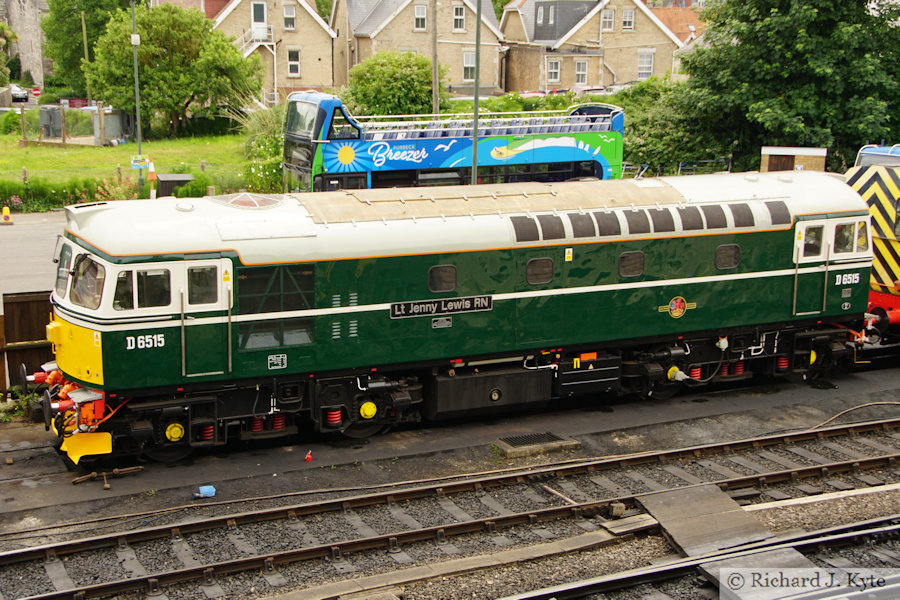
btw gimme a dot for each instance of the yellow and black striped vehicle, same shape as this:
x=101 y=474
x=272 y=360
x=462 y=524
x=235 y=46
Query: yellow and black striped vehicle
x=876 y=177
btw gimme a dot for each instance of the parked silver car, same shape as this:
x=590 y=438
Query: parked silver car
x=19 y=94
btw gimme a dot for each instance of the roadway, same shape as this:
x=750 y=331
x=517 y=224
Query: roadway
x=26 y=252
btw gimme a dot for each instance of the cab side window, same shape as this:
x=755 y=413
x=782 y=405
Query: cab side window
x=123 y=298
x=812 y=240
x=153 y=288
x=862 y=236
x=202 y=285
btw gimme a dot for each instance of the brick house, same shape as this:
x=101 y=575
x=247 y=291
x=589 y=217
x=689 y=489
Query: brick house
x=565 y=44
x=364 y=27
x=294 y=44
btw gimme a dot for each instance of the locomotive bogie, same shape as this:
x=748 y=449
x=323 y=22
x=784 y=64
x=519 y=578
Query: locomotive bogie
x=350 y=313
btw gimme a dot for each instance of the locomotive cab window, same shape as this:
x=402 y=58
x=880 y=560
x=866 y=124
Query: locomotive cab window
x=812 y=241
x=153 y=288
x=728 y=256
x=631 y=264
x=87 y=282
x=844 y=238
x=123 y=297
x=539 y=271
x=442 y=278
x=862 y=236
x=64 y=263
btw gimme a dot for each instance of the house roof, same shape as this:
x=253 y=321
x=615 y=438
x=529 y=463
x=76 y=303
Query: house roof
x=229 y=8
x=368 y=17
x=680 y=21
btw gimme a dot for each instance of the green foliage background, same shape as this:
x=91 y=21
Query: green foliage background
x=393 y=83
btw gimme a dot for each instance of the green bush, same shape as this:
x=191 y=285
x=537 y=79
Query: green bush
x=40 y=195
x=264 y=176
x=195 y=188
x=11 y=122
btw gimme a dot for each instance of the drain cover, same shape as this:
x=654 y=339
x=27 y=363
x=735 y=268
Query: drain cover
x=531 y=439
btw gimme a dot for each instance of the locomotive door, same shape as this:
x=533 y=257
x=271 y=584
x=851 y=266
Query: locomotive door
x=811 y=254
x=205 y=298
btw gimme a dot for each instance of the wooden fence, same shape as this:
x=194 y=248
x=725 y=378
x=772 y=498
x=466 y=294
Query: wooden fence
x=23 y=335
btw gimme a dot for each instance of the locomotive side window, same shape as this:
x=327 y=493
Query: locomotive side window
x=843 y=238
x=87 y=282
x=275 y=289
x=123 y=298
x=631 y=264
x=153 y=288
x=442 y=278
x=62 y=270
x=539 y=271
x=812 y=240
x=728 y=256
x=202 y=285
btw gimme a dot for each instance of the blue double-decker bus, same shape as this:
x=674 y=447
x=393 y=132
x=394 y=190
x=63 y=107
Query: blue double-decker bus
x=325 y=148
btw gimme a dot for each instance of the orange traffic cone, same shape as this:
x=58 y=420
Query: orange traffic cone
x=7 y=217
x=309 y=456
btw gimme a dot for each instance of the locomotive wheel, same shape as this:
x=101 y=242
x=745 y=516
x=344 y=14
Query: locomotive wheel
x=662 y=391
x=167 y=454
x=360 y=431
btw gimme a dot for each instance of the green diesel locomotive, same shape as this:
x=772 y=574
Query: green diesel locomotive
x=183 y=323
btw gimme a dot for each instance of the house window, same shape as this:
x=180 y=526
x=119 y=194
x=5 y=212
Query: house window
x=580 y=71
x=550 y=15
x=293 y=63
x=420 y=17
x=628 y=20
x=607 y=19
x=459 y=18
x=553 y=70
x=468 y=66
x=645 y=65
x=540 y=15
x=289 y=17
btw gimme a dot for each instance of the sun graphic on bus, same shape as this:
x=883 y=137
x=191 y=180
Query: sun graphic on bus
x=346 y=157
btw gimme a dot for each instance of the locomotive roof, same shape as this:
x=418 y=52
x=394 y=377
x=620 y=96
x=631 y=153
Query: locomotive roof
x=395 y=221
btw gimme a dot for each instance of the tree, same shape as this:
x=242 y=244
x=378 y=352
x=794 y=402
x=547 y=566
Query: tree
x=7 y=36
x=183 y=65
x=393 y=83
x=64 y=44
x=796 y=73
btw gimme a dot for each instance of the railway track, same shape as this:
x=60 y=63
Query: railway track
x=428 y=524
x=869 y=542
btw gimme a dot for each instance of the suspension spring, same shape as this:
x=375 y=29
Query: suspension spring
x=723 y=370
x=257 y=424
x=278 y=421
x=783 y=363
x=333 y=417
x=695 y=372
x=739 y=367
x=207 y=432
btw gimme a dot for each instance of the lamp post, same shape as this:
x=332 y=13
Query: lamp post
x=135 y=42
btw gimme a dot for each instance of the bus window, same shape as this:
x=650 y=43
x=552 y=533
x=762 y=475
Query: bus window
x=301 y=119
x=342 y=128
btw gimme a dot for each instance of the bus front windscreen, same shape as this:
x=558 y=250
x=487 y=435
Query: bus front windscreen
x=301 y=119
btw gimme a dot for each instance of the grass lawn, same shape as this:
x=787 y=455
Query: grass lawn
x=56 y=164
